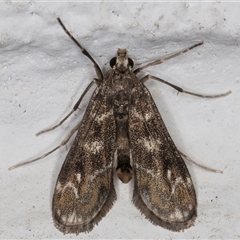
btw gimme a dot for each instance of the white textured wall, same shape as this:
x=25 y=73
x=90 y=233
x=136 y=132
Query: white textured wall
x=43 y=74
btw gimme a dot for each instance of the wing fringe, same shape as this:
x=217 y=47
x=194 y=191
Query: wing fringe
x=76 y=229
x=173 y=226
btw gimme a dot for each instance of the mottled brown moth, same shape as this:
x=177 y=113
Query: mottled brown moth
x=122 y=131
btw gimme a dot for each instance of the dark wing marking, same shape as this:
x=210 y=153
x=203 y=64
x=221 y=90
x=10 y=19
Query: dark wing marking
x=163 y=189
x=84 y=191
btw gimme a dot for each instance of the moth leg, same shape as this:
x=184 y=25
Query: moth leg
x=84 y=51
x=73 y=110
x=145 y=78
x=159 y=61
x=48 y=153
x=199 y=165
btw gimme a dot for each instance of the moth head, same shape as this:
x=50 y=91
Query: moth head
x=121 y=63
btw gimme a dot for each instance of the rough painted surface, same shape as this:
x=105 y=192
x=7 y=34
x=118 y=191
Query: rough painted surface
x=43 y=74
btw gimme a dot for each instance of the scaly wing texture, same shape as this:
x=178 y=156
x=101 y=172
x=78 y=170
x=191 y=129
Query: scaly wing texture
x=84 y=191
x=163 y=189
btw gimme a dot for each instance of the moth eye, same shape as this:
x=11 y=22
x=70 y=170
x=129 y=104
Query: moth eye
x=130 y=62
x=113 y=62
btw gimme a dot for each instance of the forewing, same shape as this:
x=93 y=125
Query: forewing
x=163 y=189
x=84 y=191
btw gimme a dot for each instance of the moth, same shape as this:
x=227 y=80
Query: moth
x=122 y=131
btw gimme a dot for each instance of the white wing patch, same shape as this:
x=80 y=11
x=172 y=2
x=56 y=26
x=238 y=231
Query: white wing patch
x=150 y=144
x=96 y=173
x=78 y=176
x=148 y=116
x=178 y=181
x=59 y=187
x=72 y=218
x=136 y=115
x=71 y=185
x=153 y=173
x=179 y=215
x=94 y=146
x=176 y=215
x=169 y=173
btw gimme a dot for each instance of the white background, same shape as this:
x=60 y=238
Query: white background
x=43 y=74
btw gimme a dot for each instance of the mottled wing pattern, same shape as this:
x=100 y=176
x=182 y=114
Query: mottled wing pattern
x=84 y=191
x=163 y=189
